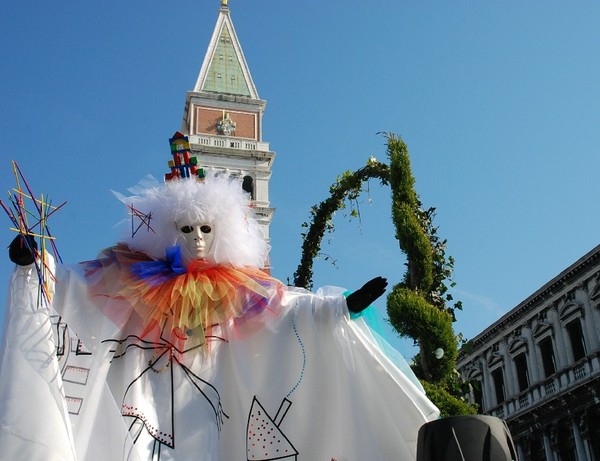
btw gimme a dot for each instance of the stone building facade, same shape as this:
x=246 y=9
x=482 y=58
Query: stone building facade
x=538 y=367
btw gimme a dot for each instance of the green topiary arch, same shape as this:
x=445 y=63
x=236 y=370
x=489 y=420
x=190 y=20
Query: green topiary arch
x=416 y=305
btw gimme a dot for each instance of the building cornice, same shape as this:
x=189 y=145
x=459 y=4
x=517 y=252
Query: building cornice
x=540 y=296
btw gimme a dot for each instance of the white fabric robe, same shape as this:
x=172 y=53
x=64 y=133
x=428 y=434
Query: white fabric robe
x=306 y=383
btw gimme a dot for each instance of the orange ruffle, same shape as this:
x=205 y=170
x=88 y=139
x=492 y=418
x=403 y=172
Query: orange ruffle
x=189 y=304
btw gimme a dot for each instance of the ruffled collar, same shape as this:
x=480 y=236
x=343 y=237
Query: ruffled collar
x=184 y=302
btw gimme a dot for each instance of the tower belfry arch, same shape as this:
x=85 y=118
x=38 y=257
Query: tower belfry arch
x=223 y=118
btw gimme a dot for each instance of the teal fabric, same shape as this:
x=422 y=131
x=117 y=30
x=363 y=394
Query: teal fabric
x=369 y=315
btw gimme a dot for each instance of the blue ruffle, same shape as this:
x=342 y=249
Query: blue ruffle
x=157 y=272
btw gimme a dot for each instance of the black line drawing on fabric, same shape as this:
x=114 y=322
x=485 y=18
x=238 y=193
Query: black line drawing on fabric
x=302 y=349
x=264 y=439
x=158 y=374
x=73 y=360
x=66 y=342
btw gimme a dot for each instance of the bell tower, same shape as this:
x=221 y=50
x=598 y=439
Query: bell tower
x=223 y=118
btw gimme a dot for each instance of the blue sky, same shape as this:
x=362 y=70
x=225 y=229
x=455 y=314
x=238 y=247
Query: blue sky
x=498 y=101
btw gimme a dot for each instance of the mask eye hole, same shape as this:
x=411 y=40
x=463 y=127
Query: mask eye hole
x=186 y=229
x=205 y=229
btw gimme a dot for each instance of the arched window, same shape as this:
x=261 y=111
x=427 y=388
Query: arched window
x=248 y=185
x=498 y=379
x=570 y=316
x=547 y=353
x=576 y=338
x=518 y=351
x=522 y=371
x=543 y=334
x=475 y=379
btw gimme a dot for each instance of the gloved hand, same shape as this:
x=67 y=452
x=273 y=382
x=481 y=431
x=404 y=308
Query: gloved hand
x=366 y=295
x=22 y=252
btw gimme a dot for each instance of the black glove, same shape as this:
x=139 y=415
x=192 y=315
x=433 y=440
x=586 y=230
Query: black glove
x=366 y=295
x=22 y=252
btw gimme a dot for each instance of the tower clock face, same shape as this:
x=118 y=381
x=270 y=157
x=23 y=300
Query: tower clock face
x=226 y=126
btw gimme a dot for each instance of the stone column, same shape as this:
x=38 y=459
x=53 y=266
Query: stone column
x=488 y=395
x=583 y=429
x=548 y=447
x=532 y=360
x=520 y=452
x=510 y=384
x=579 y=444
x=591 y=321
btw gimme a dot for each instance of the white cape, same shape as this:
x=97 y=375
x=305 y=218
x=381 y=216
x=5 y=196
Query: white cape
x=305 y=383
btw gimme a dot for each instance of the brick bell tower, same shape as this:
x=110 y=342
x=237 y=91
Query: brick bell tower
x=223 y=118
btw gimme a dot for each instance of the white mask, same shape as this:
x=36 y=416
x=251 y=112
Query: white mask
x=197 y=239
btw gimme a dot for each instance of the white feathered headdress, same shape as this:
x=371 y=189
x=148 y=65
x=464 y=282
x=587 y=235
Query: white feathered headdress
x=217 y=200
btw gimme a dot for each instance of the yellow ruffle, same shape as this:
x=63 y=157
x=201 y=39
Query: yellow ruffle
x=190 y=304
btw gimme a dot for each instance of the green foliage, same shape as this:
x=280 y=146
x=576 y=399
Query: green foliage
x=413 y=316
x=347 y=187
x=417 y=306
x=448 y=404
x=413 y=239
x=442 y=266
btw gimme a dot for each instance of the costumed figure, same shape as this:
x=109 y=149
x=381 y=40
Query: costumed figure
x=175 y=344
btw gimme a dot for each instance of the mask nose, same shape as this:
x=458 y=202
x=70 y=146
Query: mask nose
x=197 y=233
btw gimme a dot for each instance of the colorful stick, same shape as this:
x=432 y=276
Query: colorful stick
x=19 y=216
